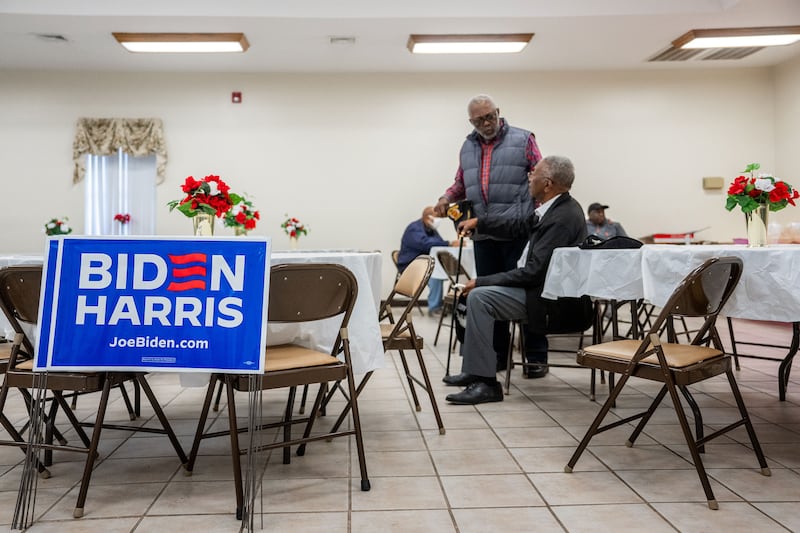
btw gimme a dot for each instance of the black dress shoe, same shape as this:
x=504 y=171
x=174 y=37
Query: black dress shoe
x=534 y=372
x=478 y=392
x=460 y=380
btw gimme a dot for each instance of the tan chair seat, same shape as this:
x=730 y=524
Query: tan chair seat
x=386 y=331
x=287 y=356
x=24 y=365
x=678 y=355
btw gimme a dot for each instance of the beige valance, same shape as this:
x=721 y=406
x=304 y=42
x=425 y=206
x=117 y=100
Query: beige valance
x=104 y=136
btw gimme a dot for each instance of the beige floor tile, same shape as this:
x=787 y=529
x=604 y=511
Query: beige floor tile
x=212 y=523
x=784 y=512
x=45 y=498
x=535 y=437
x=186 y=498
x=513 y=520
x=460 y=462
x=782 y=453
x=109 y=501
x=400 y=463
x=583 y=488
x=725 y=456
x=300 y=495
x=782 y=485
x=452 y=420
x=462 y=439
x=387 y=441
x=158 y=446
x=640 y=458
x=611 y=517
x=490 y=491
x=107 y=525
x=519 y=419
x=147 y=470
x=579 y=417
x=612 y=437
x=731 y=516
x=673 y=486
x=397 y=493
x=401 y=521
x=538 y=460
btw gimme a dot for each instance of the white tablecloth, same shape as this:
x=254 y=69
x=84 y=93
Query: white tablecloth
x=768 y=290
x=467 y=260
x=366 y=345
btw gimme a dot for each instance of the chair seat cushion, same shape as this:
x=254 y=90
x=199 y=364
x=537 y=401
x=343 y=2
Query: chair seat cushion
x=677 y=355
x=386 y=331
x=287 y=356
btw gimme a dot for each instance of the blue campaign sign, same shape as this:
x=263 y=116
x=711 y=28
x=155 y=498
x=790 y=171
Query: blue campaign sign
x=154 y=304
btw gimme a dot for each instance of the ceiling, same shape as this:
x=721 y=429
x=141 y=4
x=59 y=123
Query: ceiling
x=294 y=35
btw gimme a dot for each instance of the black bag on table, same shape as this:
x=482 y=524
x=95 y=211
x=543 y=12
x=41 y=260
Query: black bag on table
x=593 y=242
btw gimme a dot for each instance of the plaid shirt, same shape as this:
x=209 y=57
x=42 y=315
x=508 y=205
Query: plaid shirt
x=457 y=191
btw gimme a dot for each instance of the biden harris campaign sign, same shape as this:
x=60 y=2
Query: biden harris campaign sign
x=154 y=304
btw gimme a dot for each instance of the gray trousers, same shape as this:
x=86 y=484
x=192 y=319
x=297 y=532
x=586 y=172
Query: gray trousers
x=485 y=305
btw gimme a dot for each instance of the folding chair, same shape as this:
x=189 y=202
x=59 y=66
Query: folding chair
x=19 y=296
x=395 y=257
x=298 y=293
x=701 y=294
x=454 y=271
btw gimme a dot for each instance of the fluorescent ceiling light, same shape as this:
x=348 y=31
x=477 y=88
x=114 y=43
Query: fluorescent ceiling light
x=499 y=43
x=738 y=37
x=183 y=42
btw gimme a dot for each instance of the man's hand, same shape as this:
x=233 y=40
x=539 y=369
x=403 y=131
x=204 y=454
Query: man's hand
x=441 y=207
x=466 y=227
x=468 y=286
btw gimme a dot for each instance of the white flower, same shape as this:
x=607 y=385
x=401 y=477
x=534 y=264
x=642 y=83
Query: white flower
x=764 y=184
x=65 y=228
x=50 y=225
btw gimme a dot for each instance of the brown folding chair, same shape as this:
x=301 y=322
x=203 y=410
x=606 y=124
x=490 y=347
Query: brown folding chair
x=395 y=256
x=454 y=270
x=399 y=334
x=701 y=294
x=19 y=296
x=297 y=293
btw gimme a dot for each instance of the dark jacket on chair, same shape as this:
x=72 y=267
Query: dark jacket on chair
x=562 y=225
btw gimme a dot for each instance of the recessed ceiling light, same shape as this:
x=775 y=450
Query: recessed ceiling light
x=183 y=42
x=498 y=43
x=738 y=37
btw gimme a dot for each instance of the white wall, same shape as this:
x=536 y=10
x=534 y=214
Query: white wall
x=787 y=124
x=356 y=157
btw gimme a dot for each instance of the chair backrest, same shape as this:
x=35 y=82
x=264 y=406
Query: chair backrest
x=19 y=298
x=395 y=256
x=311 y=291
x=414 y=278
x=451 y=267
x=702 y=293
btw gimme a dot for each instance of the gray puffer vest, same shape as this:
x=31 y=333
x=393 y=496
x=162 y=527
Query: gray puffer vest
x=509 y=195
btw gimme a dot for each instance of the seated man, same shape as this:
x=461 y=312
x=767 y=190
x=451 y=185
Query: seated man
x=516 y=294
x=418 y=239
x=599 y=225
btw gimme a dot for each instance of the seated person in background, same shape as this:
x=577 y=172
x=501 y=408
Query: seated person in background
x=418 y=239
x=516 y=294
x=599 y=225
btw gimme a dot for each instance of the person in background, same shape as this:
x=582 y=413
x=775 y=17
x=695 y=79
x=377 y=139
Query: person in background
x=516 y=294
x=418 y=239
x=598 y=224
x=493 y=174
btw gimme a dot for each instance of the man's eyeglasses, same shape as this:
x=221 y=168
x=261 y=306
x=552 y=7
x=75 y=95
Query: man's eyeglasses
x=489 y=117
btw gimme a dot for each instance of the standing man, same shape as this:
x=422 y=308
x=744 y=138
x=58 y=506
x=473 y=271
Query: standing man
x=418 y=239
x=514 y=295
x=598 y=224
x=493 y=174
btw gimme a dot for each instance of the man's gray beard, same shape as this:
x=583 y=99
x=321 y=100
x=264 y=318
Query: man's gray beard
x=488 y=138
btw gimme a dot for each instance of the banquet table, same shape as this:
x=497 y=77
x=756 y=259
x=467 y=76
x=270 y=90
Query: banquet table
x=653 y=271
x=366 y=344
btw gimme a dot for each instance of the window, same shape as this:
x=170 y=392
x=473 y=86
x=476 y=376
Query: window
x=120 y=184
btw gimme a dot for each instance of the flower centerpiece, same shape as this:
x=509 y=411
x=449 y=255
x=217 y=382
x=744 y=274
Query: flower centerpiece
x=242 y=216
x=756 y=195
x=57 y=226
x=293 y=228
x=204 y=200
x=122 y=218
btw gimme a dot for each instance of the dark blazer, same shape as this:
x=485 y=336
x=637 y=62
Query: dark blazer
x=562 y=225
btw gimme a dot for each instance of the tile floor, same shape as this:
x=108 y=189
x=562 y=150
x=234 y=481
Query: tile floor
x=498 y=468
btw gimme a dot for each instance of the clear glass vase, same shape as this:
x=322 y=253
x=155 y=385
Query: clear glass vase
x=203 y=224
x=757 y=224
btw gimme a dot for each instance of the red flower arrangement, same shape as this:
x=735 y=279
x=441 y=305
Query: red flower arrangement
x=209 y=195
x=751 y=192
x=122 y=218
x=293 y=227
x=242 y=215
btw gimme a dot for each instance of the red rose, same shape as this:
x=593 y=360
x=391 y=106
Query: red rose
x=241 y=218
x=258 y=217
x=738 y=185
x=780 y=192
x=249 y=224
